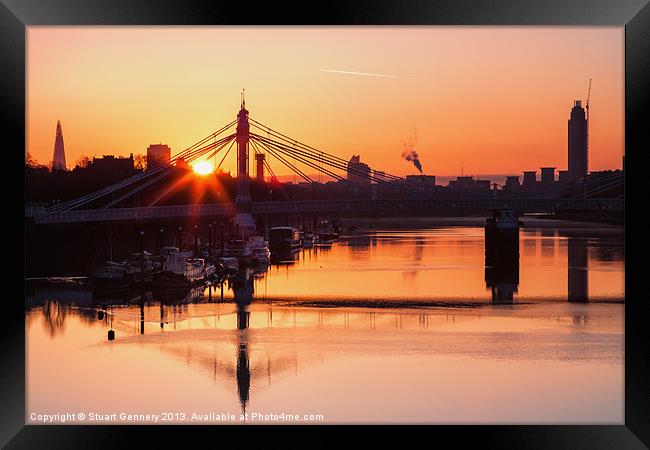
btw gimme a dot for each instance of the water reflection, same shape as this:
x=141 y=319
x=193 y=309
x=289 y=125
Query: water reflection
x=572 y=266
x=242 y=287
x=418 y=250
x=502 y=279
x=54 y=314
x=243 y=333
x=282 y=258
x=502 y=274
x=577 y=270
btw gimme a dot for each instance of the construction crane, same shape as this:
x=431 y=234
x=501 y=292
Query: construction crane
x=587 y=107
x=588 y=96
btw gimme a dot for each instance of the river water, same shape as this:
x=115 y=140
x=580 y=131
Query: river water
x=384 y=326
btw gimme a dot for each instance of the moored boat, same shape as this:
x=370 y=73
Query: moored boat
x=309 y=240
x=258 y=249
x=282 y=239
x=140 y=267
x=230 y=264
x=236 y=248
x=326 y=233
x=178 y=268
x=111 y=275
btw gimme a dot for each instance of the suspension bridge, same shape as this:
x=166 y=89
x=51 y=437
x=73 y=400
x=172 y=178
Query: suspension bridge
x=249 y=135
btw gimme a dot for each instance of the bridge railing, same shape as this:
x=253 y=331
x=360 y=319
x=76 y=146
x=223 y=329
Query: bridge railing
x=526 y=205
x=151 y=212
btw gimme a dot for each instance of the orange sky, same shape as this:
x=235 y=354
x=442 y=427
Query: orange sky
x=491 y=100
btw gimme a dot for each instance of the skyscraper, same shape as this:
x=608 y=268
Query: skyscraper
x=58 y=159
x=358 y=172
x=578 y=158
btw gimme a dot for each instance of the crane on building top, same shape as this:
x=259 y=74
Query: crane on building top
x=587 y=107
x=588 y=96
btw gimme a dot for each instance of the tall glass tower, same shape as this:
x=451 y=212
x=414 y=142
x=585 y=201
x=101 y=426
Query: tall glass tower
x=578 y=158
x=58 y=159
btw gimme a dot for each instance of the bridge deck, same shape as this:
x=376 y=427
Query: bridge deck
x=526 y=205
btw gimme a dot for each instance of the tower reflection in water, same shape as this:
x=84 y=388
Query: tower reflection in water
x=242 y=287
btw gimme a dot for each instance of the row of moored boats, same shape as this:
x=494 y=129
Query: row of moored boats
x=176 y=268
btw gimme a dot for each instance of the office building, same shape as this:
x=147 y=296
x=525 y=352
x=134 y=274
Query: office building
x=358 y=172
x=548 y=175
x=530 y=178
x=158 y=154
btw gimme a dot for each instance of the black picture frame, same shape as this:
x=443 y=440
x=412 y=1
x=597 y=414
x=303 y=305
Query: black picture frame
x=634 y=15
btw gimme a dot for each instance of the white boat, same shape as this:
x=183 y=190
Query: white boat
x=309 y=240
x=326 y=233
x=230 y=263
x=179 y=268
x=111 y=275
x=195 y=270
x=210 y=270
x=140 y=267
x=237 y=248
x=258 y=249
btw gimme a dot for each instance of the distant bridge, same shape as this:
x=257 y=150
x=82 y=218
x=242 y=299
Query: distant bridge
x=330 y=207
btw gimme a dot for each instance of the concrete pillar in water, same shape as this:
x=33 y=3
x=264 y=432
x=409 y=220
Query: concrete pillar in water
x=502 y=255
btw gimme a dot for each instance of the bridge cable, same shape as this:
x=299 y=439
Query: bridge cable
x=167 y=191
x=165 y=169
x=150 y=182
x=79 y=201
x=270 y=144
x=306 y=147
x=339 y=166
x=268 y=167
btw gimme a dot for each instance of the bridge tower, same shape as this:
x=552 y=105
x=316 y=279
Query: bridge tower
x=243 y=217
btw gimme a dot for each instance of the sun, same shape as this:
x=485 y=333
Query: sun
x=202 y=168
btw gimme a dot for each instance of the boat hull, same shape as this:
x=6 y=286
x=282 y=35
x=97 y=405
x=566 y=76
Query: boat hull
x=171 y=279
x=284 y=246
x=111 y=283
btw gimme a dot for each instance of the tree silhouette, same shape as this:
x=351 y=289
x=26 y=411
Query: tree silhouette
x=139 y=162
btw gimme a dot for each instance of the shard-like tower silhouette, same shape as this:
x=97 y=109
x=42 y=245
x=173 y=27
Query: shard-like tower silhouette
x=58 y=160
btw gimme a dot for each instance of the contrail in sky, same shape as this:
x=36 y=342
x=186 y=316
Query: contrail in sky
x=364 y=74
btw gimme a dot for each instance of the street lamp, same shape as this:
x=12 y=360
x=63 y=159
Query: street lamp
x=196 y=241
x=141 y=254
x=210 y=238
